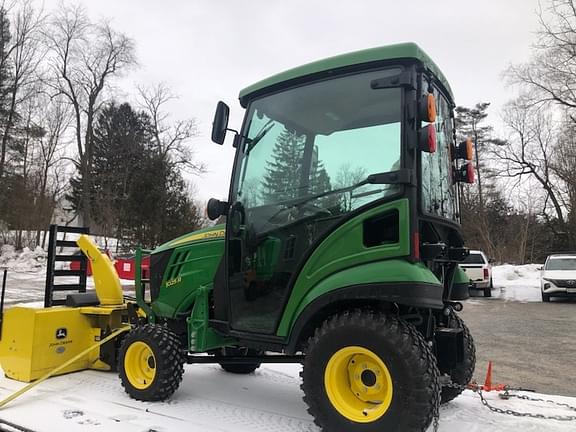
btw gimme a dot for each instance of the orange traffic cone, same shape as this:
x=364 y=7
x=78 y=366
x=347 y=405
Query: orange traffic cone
x=488 y=381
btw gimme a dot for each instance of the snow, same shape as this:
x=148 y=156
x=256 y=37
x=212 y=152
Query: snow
x=25 y=260
x=210 y=399
x=517 y=283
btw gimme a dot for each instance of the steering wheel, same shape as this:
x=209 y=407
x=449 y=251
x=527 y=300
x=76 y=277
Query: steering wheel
x=288 y=214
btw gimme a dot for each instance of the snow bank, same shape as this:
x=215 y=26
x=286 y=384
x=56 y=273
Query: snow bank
x=26 y=260
x=518 y=283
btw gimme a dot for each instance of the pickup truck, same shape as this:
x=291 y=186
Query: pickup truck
x=478 y=269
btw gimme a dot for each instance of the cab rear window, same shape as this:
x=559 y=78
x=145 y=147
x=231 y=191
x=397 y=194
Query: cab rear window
x=474 y=259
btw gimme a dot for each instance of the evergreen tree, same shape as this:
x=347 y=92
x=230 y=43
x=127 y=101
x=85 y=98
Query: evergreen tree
x=282 y=180
x=135 y=194
x=283 y=171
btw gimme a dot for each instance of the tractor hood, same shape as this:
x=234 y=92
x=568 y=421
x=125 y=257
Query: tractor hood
x=215 y=232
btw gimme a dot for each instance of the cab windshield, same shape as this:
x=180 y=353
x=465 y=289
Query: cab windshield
x=304 y=149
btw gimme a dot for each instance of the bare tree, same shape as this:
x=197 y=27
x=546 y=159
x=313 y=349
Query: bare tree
x=172 y=138
x=84 y=57
x=530 y=152
x=24 y=55
x=55 y=118
x=348 y=176
x=550 y=75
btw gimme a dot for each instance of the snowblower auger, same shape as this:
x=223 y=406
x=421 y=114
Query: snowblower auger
x=37 y=342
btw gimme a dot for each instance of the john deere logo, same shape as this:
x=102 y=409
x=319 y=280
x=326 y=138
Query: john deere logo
x=61 y=333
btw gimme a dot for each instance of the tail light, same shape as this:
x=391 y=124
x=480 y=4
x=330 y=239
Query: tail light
x=485 y=273
x=427 y=139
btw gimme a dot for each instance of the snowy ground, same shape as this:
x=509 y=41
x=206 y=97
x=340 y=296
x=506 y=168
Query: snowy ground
x=211 y=400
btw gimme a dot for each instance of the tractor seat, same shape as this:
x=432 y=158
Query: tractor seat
x=82 y=299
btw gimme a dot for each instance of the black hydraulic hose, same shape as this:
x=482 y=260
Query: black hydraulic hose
x=4 y=277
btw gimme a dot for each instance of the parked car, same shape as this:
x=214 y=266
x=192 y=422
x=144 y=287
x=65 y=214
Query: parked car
x=479 y=269
x=558 y=277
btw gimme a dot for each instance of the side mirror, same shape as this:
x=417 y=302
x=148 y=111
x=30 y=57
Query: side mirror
x=216 y=208
x=541 y=268
x=220 y=124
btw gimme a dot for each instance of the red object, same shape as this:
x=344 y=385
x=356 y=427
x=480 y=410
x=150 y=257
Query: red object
x=485 y=273
x=488 y=381
x=470 y=173
x=431 y=139
x=125 y=267
x=416 y=244
x=75 y=265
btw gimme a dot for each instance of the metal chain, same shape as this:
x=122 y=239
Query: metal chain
x=436 y=415
x=507 y=395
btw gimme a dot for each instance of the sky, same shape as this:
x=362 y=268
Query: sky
x=208 y=50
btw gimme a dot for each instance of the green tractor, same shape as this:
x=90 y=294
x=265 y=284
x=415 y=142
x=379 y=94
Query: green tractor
x=339 y=248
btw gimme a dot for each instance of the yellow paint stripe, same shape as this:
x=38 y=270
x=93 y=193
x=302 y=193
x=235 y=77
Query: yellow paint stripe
x=201 y=236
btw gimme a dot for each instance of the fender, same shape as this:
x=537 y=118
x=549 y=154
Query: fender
x=417 y=294
x=390 y=273
x=394 y=281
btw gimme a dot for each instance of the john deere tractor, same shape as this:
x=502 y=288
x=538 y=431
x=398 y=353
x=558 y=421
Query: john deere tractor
x=338 y=250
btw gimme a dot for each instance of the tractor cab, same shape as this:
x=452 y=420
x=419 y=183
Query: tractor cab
x=356 y=152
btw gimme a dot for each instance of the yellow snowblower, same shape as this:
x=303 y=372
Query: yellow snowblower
x=78 y=334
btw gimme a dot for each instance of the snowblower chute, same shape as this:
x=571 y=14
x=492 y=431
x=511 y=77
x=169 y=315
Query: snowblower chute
x=37 y=340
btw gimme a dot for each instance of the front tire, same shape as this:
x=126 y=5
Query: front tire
x=545 y=298
x=151 y=363
x=365 y=371
x=463 y=372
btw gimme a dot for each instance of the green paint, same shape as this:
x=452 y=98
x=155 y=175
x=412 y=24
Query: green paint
x=390 y=52
x=201 y=337
x=213 y=233
x=395 y=270
x=343 y=254
x=190 y=267
x=460 y=277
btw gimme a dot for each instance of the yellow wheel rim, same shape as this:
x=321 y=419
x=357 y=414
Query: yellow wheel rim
x=140 y=365
x=358 y=384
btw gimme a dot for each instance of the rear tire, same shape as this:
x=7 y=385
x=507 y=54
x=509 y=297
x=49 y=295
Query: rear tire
x=461 y=374
x=151 y=363
x=239 y=368
x=366 y=371
x=488 y=292
x=545 y=298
